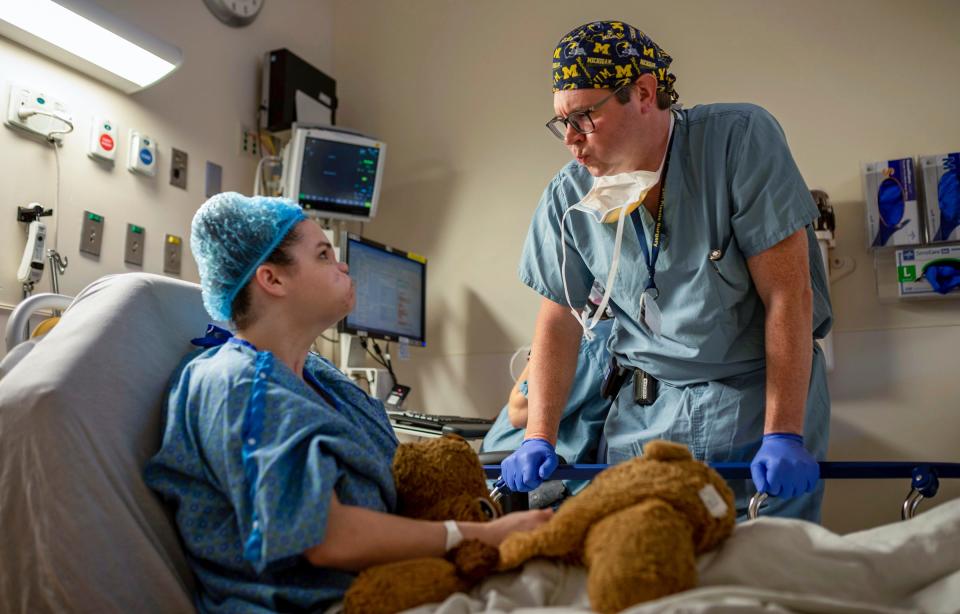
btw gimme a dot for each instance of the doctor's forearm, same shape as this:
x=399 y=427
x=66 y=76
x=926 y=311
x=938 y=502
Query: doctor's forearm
x=552 y=366
x=789 y=348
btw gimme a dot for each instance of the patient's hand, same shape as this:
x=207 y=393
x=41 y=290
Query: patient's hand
x=517 y=403
x=496 y=531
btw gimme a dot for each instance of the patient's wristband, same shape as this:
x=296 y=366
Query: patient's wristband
x=454 y=536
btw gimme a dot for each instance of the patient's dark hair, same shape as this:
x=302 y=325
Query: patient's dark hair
x=280 y=256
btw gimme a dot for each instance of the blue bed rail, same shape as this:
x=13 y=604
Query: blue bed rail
x=924 y=477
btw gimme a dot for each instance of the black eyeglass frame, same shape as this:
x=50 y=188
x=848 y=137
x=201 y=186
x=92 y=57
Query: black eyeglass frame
x=574 y=118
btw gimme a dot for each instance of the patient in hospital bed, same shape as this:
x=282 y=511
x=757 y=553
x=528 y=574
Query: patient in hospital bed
x=277 y=466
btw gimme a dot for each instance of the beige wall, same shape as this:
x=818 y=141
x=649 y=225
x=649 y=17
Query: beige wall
x=199 y=109
x=459 y=90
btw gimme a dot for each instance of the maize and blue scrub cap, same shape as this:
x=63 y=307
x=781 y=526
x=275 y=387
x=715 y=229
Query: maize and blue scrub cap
x=608 y=54
x=231 y=235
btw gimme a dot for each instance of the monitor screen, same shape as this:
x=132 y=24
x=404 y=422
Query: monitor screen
x=334 y=174
x=391 y=291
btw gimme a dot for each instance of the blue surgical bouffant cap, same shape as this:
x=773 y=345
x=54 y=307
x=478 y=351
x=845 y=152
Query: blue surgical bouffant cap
x=608 y=54
x=231 y=235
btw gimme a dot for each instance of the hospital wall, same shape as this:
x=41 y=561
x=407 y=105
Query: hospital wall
x=199 y=109
x=460 y=91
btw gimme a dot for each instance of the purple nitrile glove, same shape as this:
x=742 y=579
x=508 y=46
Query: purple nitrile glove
x=529 y=466
x=783 y=468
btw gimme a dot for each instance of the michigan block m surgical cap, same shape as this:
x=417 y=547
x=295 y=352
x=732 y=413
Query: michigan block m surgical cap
x=608 y=54
x=231 y=235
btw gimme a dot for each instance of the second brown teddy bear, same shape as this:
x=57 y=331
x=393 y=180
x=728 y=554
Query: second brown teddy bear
x=638 y=527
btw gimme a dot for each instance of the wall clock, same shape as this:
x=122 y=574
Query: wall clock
x=235 y=13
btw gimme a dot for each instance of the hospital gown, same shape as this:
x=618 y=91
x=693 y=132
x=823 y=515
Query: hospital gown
x=250 y=459
x=732 y=190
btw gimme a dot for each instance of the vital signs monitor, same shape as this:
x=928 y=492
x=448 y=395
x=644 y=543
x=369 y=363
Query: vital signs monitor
x=333 y=174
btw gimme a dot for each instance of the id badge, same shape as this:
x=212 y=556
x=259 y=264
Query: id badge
x=650 y=313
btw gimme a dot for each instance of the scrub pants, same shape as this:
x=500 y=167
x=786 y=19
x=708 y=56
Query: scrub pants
x=721 y=421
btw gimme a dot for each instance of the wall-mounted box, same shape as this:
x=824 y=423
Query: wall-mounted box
x=890 y=194
x=921 y=272
x=941 y=196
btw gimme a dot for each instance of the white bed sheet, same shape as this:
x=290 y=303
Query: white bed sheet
x=771 y=565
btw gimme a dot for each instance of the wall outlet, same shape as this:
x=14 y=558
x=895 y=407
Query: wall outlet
x=249 y=142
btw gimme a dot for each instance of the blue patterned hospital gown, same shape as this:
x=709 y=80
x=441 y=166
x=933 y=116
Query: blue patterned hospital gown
x=251 y=456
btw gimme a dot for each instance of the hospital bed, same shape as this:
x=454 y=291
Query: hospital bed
x=80 y=414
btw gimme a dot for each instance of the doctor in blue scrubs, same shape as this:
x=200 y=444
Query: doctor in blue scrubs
x=700 y=222
x=277 y=466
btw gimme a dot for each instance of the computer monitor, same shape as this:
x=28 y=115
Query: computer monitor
x=333 y=174
x=391 y=289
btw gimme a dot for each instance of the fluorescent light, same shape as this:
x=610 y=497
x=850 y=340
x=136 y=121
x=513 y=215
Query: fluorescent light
x=84 y=36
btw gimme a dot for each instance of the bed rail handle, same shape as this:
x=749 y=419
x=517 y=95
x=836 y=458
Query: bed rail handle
x=17 y=323
x=923 y=485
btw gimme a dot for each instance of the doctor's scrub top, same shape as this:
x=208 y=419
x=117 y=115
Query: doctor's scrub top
x=732 y=190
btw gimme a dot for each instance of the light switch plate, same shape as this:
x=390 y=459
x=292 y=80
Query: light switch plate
x=172 y=250
x=178 y=168
x=133 y=252
x=91 y=233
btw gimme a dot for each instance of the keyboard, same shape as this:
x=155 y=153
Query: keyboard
x=438 y=422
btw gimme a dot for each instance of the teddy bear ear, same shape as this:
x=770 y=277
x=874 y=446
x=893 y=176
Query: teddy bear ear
x=666 y=451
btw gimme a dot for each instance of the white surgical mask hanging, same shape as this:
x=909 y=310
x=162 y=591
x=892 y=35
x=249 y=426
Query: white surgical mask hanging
x=612 y=197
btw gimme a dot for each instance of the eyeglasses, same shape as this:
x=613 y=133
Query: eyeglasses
x=579 y=120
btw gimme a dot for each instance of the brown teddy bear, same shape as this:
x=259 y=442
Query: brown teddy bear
x=638 y=527
x=436 y=479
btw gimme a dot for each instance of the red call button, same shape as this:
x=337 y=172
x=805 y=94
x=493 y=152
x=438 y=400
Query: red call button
x=106 y=142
